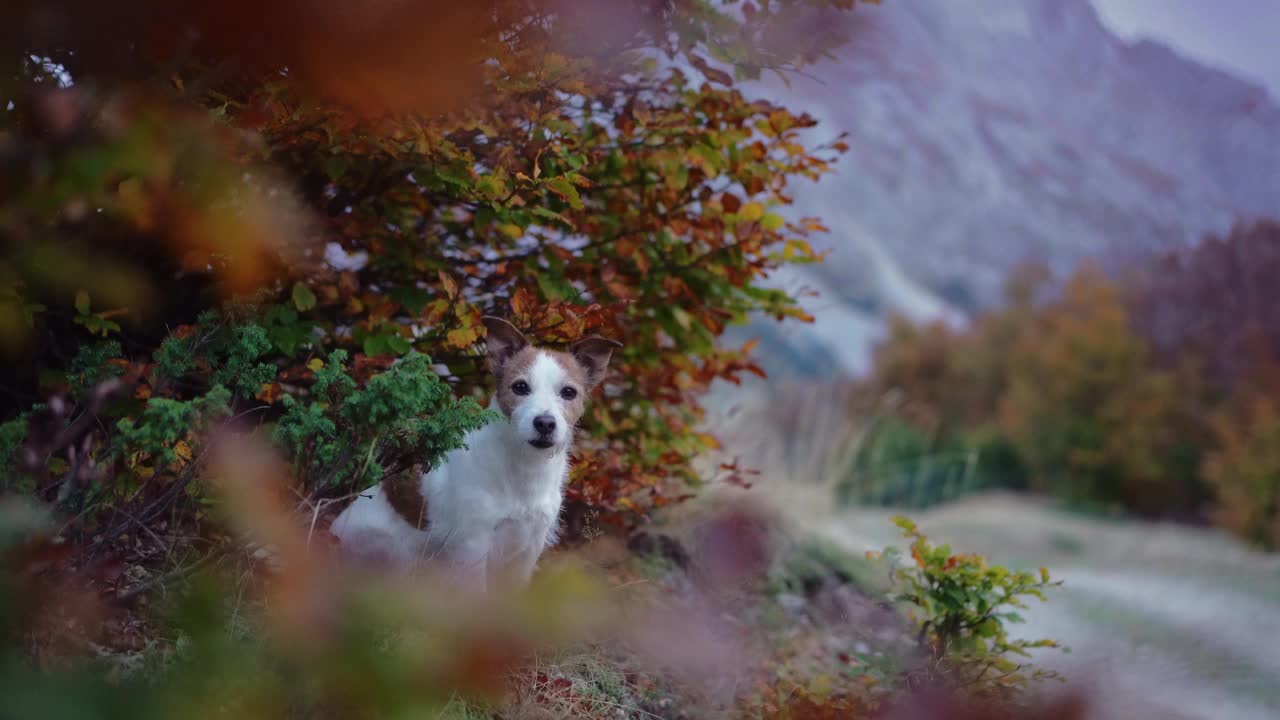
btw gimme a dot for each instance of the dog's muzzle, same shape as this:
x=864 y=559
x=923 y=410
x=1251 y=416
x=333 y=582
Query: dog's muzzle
x=545 y=426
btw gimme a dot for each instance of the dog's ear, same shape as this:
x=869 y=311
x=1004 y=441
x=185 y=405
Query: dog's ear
x=593 y=355
x=502 y=342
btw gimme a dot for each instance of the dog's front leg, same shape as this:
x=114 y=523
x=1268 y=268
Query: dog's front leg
x=468 y=564
x=539 y=535
x=522 y=567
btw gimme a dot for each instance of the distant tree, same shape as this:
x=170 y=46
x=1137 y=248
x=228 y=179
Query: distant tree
x=1243 y=467
x=1091 y=416
x=1214 y=303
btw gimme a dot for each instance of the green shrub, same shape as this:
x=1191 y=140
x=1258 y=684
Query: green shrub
x=348 y=435
x=12 y=433
x=156 y=433
x=961 y=607
x=338 y=432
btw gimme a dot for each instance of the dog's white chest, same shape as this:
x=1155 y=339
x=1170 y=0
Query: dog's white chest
x=507 y=503
x=491 y=508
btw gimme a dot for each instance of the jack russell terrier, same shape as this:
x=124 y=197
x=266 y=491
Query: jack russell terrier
x=491 y=507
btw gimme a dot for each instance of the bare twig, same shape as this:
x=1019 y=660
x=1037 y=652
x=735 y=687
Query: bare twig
x=168 y=578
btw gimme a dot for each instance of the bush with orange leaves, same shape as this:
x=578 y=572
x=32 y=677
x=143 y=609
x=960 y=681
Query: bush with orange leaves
x=1154 y=392
x=1094 y=418
x=213 y=195
x=1068 y=384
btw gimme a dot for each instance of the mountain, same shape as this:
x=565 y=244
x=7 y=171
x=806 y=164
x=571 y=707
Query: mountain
x=986 y=133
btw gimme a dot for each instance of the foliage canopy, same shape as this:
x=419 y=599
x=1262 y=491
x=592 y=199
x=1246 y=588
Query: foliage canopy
x=237 y=203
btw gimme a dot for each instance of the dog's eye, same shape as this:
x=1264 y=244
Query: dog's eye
x=521 y=387
x=569 y=393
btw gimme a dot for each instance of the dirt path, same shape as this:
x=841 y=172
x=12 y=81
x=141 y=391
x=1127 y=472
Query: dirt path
x=1163 y=621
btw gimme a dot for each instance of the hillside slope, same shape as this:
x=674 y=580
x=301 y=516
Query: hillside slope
x=991 y=132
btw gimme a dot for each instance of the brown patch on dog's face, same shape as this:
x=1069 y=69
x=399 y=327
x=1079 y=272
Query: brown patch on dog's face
x=514 y=369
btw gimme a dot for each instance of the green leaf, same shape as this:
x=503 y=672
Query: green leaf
x=398 y=344
x=411 y=298
x=334 y=166
x=303 y=298
x=552 y=215
x=386 y=344
x=374 y=345
x=565 y=189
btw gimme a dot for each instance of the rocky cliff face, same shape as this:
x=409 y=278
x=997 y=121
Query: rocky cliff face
x=985 y=133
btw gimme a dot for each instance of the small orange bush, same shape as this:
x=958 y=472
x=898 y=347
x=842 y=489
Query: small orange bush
x=1244 y=468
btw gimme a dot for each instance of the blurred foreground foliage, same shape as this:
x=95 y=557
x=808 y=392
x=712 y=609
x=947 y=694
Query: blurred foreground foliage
x=738 y=625
x=312 y=638
x=1154 y=391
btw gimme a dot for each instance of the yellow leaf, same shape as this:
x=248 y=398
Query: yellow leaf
x=315 y=365
x=797 y=248
x=183 y=451
x=463 y=337
x=709 y=441
x=821 y=685
x=511 y=230
x=751 y=212
x=450 y=287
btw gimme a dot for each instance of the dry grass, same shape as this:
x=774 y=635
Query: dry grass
x=799 y=439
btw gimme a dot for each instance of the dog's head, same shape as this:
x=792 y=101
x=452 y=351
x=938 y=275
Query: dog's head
x=543 y=392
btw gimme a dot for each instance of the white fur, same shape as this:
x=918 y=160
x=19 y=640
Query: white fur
x=492 y=507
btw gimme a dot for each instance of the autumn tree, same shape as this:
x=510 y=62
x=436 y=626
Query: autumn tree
x=229 y=213
x=1213 y=302
x=1092 y=416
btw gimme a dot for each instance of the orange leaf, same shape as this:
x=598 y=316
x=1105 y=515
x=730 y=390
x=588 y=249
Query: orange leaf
x=463 y=337
x=269 y=393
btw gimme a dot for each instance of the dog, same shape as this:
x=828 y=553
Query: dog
x=490 y=508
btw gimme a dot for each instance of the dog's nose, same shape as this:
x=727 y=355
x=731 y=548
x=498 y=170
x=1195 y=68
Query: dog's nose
x=544 y=424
